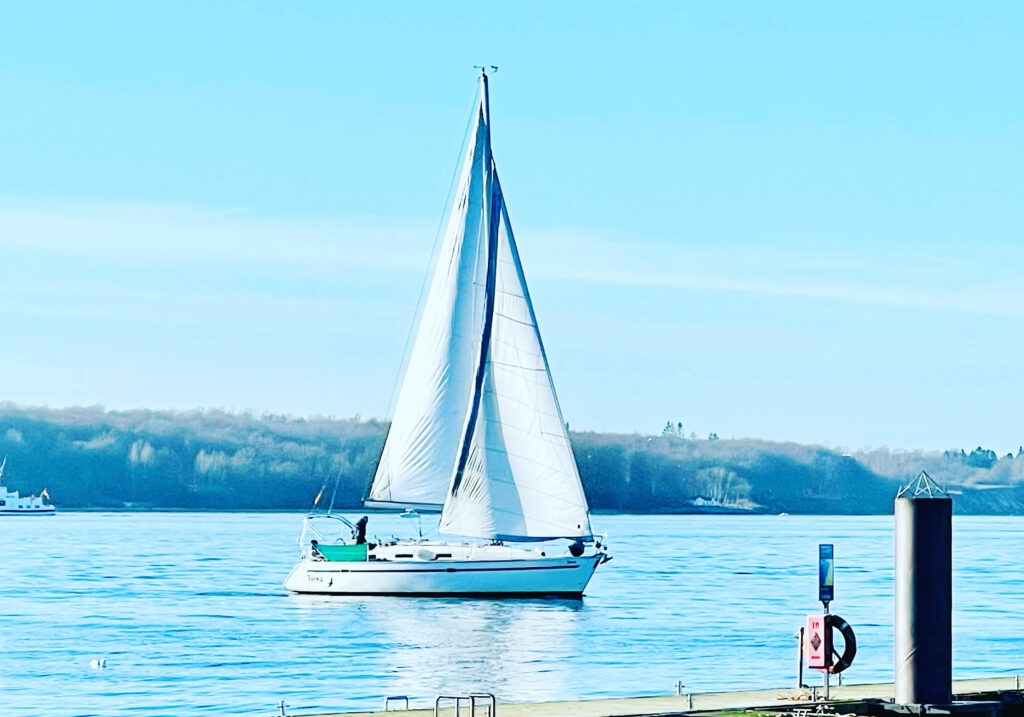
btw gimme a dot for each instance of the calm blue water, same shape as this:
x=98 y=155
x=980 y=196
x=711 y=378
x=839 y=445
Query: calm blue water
x=189 y=613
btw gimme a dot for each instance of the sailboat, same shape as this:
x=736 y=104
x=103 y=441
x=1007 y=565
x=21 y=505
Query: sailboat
x=477 y=433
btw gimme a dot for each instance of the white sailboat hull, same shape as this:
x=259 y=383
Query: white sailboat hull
x=563 y=576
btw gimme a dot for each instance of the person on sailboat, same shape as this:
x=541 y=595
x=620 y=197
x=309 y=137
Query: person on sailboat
x=361 y=530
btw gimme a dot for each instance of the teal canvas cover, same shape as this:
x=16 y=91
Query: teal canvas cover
x=343 y=553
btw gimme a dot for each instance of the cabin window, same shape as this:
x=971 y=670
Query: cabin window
x=444 y=555
x=403 y=555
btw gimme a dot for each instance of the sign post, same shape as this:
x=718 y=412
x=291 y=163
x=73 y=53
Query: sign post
x=817 y=643
x=826 y=593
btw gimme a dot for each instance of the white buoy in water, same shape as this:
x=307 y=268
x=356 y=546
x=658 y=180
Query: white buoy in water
x=98 y=663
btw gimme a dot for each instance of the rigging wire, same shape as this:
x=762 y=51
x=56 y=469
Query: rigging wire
x=337 y=480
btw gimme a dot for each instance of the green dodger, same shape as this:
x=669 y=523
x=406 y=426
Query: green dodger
x=343 y=553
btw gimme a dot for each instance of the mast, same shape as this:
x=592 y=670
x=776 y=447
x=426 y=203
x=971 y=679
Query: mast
x=485 y=99
x=492 y=192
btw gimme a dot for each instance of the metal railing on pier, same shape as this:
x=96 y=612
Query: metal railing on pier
x=487 y=699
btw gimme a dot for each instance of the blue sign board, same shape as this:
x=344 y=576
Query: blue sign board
x=826 y=573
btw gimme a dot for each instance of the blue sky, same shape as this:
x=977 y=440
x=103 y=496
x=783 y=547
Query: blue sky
x=775 y=220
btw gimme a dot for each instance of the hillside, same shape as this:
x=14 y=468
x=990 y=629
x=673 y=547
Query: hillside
x=211 y=459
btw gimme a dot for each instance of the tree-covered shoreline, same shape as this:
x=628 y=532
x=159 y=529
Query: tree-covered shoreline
x=92 y=458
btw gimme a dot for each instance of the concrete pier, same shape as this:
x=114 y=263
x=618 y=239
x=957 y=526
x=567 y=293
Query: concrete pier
x=760 y=700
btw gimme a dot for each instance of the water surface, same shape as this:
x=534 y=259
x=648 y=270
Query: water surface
x=188 y=611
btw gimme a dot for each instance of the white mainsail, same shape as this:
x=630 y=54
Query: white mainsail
x=477 y=423
x=427 y=426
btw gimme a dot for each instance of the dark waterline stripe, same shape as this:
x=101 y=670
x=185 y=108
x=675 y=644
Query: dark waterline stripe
x=455 y=570
x=571 y=595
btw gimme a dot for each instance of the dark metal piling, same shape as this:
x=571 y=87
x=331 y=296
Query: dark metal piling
x=924 y=594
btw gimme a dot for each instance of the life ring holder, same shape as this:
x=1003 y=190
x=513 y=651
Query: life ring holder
x=834 y=622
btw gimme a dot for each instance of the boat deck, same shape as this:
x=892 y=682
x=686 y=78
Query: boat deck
x=678 y=705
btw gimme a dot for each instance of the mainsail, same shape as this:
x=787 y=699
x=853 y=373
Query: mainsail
x=477 y=415
x=427 y=426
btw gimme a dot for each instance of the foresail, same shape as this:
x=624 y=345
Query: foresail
x=429 y=416
x=519 y=478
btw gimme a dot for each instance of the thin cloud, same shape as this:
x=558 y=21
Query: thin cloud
x=385 y=252
x=966 y=284
x=144 y=234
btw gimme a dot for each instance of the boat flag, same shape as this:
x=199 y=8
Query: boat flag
x=318 y=496
x=45 y=494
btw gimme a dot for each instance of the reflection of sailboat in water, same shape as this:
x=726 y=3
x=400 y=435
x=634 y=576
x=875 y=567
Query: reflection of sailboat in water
x=512 y=643
x=477 y=432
